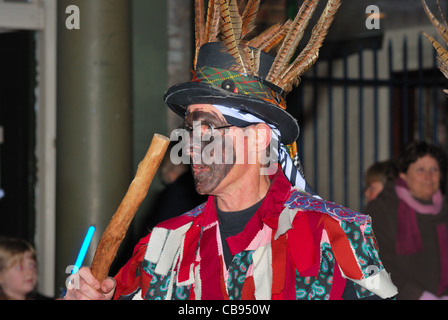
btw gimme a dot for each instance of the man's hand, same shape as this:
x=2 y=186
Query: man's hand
x=89 y=288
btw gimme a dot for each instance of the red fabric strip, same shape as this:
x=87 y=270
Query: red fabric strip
x=289 y=289
x=210 y=271
x=279 y=252
x=223 y=282
x=176 y=222
x=301 y=245
x=338 y=285
x=248 y=292
x=189 y=251
x=342 y=249
x=290 y=281
x=316 y=227
x=126 y=279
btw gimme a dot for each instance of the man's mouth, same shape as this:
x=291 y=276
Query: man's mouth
x=199 y=168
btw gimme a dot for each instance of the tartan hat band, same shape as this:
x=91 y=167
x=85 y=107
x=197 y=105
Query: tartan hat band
x=239 y=83
x=215 y=81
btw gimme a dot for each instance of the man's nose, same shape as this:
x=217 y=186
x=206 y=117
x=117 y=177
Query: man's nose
x=193 y=148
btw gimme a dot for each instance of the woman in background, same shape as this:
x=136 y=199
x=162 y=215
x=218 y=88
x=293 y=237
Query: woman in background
x=410 y=220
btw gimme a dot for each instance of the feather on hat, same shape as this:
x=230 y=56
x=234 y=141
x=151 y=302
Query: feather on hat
x=442 y=30
x=232 y=70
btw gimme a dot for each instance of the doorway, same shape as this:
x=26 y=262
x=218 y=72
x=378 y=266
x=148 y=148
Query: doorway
x=17 y=134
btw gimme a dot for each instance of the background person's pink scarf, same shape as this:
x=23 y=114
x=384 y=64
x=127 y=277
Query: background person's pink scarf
x=408 y=234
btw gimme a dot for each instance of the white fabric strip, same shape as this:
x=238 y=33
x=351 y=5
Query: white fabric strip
x=138 y=295
x=155 y=244
x=170 y=249
x=190 y=279
x=380 y=284
x=285 y=221
x=262 y=258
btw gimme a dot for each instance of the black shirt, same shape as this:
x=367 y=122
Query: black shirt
x=232 y=223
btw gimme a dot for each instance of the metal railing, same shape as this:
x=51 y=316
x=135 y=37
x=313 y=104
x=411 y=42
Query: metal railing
x=364 y=108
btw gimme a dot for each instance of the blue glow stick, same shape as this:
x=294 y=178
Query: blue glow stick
x=83 y=251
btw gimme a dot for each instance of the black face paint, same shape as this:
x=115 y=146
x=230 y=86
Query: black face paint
x=208 y=175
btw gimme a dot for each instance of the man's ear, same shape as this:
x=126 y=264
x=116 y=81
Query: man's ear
x=263 y=137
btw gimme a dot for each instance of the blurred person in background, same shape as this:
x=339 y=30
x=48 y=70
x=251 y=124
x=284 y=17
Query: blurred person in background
x=410 y=221
x=376 y=177
x=18 y=272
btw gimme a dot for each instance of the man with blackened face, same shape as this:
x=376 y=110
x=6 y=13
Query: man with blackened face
x=263 y=233
x=222 y=154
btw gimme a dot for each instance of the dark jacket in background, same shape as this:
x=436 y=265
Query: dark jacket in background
x=415 y=273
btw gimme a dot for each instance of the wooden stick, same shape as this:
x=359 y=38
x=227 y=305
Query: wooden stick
x=116 y=230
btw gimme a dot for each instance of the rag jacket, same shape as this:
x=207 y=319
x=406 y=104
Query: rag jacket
x=296 y=246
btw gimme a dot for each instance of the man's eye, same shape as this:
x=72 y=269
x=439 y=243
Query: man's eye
x=206 y=129
x=211 y=128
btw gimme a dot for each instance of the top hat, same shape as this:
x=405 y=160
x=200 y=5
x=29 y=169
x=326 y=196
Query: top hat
x=232 y=71
x=214 y=82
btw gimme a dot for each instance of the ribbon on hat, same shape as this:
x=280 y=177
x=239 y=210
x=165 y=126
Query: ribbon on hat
x=291 y=165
